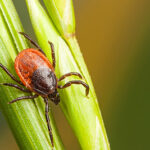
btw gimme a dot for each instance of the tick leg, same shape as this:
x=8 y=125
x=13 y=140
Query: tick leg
x=6 y=70
x=53 y=53
x=70 y=74
x=16 y=86
x=34 y=43
x=23 y=97
x=75 y=82
x=48 y=121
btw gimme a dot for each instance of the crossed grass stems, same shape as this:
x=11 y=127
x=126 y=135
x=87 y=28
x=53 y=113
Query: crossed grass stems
x=46 y=97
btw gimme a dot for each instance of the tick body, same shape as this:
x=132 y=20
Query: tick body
x=37 y=75
x=36 y=72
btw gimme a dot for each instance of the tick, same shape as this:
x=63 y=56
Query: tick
x=37 y=75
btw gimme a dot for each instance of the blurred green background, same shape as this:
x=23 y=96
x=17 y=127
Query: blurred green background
x=114 y=37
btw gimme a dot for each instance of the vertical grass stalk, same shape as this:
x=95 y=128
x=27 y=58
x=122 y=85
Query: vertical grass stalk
x=26 y=118
x=82 y=112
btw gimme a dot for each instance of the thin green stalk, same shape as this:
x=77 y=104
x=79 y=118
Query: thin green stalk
x=62 y=13
x=26 y=118
x=82 y=112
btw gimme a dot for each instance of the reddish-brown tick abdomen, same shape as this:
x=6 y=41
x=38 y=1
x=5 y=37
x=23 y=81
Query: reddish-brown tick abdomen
x=27 y=62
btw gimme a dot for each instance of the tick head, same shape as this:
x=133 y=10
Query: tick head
x=54 y=97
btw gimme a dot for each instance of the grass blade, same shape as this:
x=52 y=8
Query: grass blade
x=82 y=112
x=26 y=118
